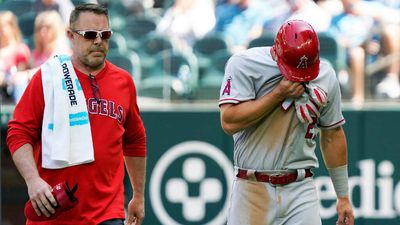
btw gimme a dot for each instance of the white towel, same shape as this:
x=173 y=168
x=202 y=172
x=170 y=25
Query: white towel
x=66 y=135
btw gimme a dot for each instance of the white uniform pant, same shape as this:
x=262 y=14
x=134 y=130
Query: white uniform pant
x=259 y=203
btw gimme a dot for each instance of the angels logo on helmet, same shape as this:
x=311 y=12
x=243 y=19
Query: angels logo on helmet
x=303 y=62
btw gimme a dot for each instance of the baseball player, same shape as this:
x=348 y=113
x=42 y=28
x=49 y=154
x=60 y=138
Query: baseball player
x=274 y=101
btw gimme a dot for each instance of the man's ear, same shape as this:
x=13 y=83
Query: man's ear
x=70 y=34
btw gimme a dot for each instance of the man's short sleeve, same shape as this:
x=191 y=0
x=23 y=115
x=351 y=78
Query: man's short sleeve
x=236 y=86
x=331 y=115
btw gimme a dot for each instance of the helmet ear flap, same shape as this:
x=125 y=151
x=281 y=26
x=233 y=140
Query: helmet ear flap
x=272 y=51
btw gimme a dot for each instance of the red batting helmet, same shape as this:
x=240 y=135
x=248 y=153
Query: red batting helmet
x=297 y=51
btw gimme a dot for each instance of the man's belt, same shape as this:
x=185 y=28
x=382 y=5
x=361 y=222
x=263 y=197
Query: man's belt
x=274 y=178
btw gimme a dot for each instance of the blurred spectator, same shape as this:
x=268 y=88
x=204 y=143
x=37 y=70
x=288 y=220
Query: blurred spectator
x=63 y=7
x=187 y=21
x=390 y=3
x=387 y=27
x=220 y=2
x=226 y=11
x=310 y=12
x=50 y=39
x=306 y=10
x=236 y=20
x=333 y=7
x=14 y=54
x=353 y=28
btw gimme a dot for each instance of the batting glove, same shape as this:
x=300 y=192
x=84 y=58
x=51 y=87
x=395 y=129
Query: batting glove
x=318 y=95
x=306 y=110
x=66 y=200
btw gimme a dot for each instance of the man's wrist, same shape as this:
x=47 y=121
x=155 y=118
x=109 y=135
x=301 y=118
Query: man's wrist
x=339 y=176
x=138 y=197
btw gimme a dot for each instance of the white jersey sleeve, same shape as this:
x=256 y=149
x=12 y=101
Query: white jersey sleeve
x=248 y=75
x=331 y=115
x=237 y=87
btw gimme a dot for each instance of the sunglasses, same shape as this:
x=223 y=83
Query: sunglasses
x=93 y=34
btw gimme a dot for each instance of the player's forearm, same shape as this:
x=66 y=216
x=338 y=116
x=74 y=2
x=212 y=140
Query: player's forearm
x=25 y=163
x=136 y=167
x=235 y=117
x=334 y=147
x=334 y=150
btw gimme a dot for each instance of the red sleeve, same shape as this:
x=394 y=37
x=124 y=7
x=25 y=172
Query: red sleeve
x=26 y=125
x=134 y=139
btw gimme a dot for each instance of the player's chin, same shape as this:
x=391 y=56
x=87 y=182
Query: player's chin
x=96 y=62
x=97 y=57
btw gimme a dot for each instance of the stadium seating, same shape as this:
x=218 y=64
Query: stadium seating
x=117 y=43
x=210 y=44
x=150 y=45
x=331 y=51
x=78 y=2
x=166 y=79
x=263 y=40
x=140 y=26
x=210 y=83
x=136 y=32
x=18 y=7
x=154 y=43
x=129 y=61
x=30 y=41
x=26 y=23
x=205 y=47
x=137 y=28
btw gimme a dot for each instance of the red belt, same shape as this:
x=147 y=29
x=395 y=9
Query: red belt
x=274 y=178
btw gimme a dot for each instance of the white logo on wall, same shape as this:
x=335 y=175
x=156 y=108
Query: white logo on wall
x=194 y=169
x=378 y=192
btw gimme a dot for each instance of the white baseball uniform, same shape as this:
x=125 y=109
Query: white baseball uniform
x=279 y=142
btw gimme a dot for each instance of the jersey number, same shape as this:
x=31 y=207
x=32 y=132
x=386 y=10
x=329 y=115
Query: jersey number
x=311 y=132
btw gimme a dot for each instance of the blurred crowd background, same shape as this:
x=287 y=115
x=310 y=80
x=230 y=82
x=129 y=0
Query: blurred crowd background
x=177 y=50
